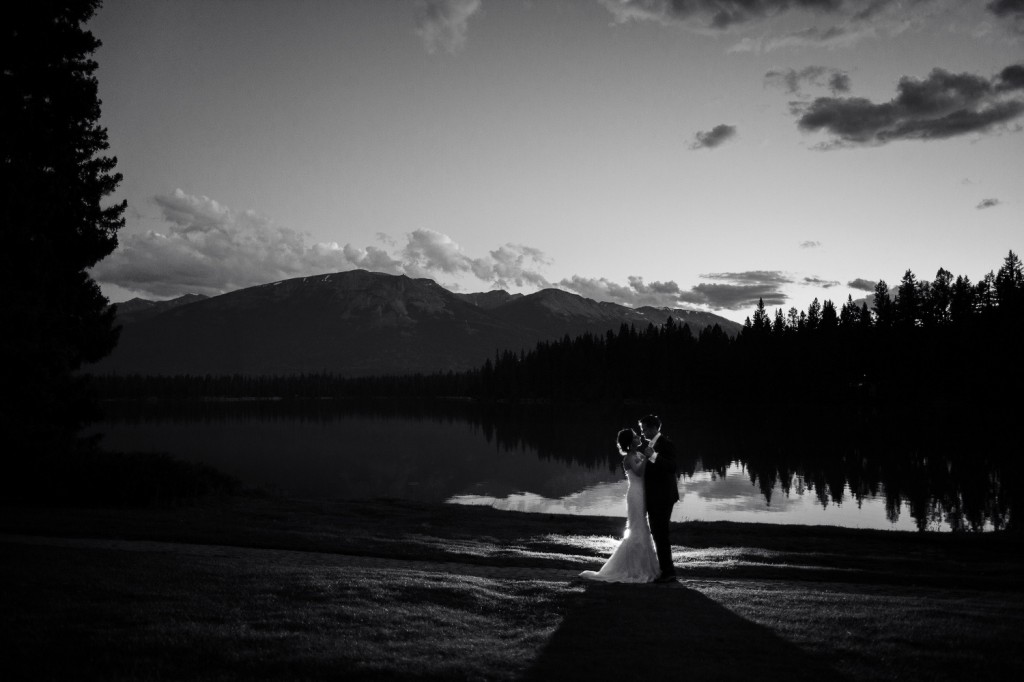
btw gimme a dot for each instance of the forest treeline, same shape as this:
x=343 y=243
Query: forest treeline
x=945 y=342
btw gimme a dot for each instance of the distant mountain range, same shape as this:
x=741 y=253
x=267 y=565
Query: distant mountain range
x=358 y=323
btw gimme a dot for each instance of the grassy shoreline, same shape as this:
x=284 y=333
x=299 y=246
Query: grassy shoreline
x=773 y=601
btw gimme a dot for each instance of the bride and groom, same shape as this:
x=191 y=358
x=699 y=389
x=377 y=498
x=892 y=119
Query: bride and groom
x=645 y=553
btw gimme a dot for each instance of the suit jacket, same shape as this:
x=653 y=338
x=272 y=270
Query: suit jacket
x=660 y=487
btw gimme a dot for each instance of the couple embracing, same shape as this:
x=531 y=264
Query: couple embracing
x=645 y=553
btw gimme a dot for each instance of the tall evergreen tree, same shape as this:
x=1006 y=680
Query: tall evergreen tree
x=762 y=323
x=865 y=316
x=1009 y=283
x=908 y=301
x=793 y=318
x=940 y=298
x=55 y=224
x=829 y=319
x=779 y=324
x=985 y=293
x=814 y=315
x=849 y=314
x=962 y=300
x=882 y=306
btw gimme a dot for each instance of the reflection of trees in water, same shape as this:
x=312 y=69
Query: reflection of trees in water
x=934 y=467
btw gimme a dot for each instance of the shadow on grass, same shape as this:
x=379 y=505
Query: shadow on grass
x=624 y=632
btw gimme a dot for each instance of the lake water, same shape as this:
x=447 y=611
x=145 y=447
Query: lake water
x=542 y=460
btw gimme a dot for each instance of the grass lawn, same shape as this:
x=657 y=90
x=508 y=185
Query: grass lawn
x=270 y=590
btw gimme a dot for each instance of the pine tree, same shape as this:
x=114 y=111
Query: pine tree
x=882 y=306
x=814 y=315
x=908 y=301
x=1009 y=284
x=940 y=297
x=829 y=319
x=849 y=314
x=779 y=324
x=985 y=293
x=761 y=324
x=962 y=300
x=55 y=224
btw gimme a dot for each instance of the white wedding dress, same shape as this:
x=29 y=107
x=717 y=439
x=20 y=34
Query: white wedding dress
x=635 y=559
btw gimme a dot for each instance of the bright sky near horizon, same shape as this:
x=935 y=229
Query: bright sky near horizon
x=696 y=153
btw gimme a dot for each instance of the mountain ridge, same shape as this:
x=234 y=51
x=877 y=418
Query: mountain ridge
x=360 y=323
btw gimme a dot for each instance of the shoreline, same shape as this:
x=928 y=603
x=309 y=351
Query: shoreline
x=277 y=588
x=398 y=529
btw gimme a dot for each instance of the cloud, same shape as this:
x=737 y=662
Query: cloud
x=739 y=290
x=752 y=277
x=442 y=24
x=862 y=284
x=742 y=289
x=735 y=296
x=988 y=203
x=714 y=137
x=809 y=245
x=430 y=252
x=943 y=105
x=635 y=293
x=818 y=282
x=1010 y=10
x=851 y=21
x=723 y=14
x=792 y=80
x=209 y=248
x=833 y=37
x=1011 y=78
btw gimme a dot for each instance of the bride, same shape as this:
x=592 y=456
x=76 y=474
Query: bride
x=634 y=560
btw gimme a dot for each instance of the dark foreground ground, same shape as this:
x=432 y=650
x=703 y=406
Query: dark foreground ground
x=264 y=588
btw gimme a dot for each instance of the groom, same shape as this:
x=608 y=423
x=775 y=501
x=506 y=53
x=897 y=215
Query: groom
x=660 y=491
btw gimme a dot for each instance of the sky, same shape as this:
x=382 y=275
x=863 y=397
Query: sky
x=697 y=154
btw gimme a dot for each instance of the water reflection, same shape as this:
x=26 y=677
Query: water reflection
x=545 y=460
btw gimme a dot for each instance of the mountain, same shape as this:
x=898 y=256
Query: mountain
x=489 y=300
x=553 y=313
x=139 y=308
x=359 y=323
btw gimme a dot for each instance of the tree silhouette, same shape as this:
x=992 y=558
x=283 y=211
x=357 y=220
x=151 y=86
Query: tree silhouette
x=908 y=301
x=1009 y=284
x=962 y=301
x=940 y=299
x=55 y=223
x=814 y=315
x=883 y=307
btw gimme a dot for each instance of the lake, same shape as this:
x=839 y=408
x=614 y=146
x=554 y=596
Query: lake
x=563 y=460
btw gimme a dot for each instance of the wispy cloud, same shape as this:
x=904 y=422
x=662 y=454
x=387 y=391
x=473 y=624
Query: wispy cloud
x=714 y=137
x=634 y=293
x=443 y=24
x=793 y=81
x=738 y=290
x=988 y=203
x=819 y=282
x=943 y=105
x=833 y=37
x=735 y=296
x=774 y=277
x=848 y=21
x=809 y=245
x=724 y=14
x=862 y=284
x=732 y=291
x=209 y=248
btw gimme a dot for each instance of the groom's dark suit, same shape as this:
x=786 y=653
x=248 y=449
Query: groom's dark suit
x=661 y=493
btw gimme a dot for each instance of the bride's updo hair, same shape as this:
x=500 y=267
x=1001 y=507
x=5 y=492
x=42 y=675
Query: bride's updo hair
x=625 y=439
